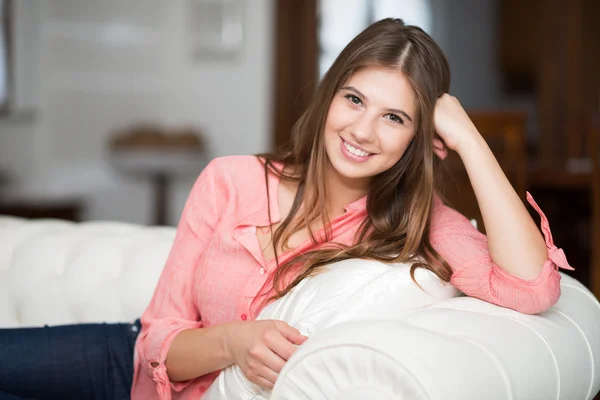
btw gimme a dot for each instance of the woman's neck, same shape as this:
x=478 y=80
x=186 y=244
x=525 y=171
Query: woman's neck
x=342 y=191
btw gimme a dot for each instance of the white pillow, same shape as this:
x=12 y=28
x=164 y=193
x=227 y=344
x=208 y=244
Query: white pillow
x=350 y=290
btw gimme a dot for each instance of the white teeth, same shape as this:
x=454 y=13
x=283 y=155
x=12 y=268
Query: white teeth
x=356 y=151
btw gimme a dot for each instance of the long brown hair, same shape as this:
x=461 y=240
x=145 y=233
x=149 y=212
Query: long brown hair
x=400 y=199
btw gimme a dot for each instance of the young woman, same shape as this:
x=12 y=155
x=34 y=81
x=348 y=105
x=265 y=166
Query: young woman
x=357 y=180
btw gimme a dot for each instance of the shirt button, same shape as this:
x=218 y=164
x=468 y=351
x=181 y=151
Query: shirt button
x=262 y=271
x=244 y=317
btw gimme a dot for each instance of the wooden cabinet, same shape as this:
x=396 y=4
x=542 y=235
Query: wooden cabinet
x=551 y=48
x=519 y=44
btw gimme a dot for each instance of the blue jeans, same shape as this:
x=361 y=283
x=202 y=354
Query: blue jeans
x=88 y=361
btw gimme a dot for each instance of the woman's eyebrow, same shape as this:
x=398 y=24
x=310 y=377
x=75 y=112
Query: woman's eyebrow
x=390 y=110
x=395 y=111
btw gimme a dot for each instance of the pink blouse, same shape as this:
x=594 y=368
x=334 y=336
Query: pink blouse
x=216 y=267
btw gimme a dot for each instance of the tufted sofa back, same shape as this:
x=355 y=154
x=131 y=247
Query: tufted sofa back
x=55 y=272
x=58 y=272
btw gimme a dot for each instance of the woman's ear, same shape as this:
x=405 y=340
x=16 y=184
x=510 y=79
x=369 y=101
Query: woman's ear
x=439 y=148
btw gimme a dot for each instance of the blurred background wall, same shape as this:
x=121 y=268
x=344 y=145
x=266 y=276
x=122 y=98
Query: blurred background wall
x=85 y=68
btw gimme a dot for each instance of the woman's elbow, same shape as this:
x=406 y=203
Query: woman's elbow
x=542 y=300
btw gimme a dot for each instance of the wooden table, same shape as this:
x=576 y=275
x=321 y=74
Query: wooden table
x=161 y=167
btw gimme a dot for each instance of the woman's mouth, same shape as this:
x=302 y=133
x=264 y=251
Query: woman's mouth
x=354 y=154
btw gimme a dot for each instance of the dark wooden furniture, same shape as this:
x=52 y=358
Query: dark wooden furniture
x=550 y=49
x=571 y=200
x=296 y=63
x=67 y=210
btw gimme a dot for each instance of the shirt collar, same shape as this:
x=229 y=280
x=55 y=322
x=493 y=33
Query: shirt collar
x=273 y=182
x=357 y=205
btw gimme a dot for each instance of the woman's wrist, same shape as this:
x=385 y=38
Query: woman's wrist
x=473 y=145
x=199 y=351
x=228 y=340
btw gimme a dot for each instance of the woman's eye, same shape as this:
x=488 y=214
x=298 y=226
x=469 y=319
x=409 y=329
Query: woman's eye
x=354 y=99
x=395 y=118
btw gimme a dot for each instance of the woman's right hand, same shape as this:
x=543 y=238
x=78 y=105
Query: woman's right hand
x=261 y=348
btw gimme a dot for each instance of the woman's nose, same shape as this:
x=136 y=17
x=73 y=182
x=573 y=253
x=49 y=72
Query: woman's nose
x=363 y=129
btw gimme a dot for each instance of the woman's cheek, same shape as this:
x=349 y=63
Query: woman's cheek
x=336 y=113
x=394 y=145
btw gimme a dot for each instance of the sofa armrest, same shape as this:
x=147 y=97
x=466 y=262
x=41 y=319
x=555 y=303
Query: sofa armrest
x=390 y=360
x=461 y=348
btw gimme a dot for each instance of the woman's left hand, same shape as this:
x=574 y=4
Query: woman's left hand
x=452 y=124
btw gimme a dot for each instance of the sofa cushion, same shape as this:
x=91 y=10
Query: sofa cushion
x=56 y=272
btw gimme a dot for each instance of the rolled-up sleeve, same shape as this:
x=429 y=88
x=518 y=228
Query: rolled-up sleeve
x=475 y=274
x=172 y=308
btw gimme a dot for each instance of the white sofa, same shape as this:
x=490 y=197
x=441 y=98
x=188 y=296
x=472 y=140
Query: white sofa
x=56 y=272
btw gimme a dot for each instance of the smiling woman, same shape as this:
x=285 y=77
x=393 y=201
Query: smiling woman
x=356 y=181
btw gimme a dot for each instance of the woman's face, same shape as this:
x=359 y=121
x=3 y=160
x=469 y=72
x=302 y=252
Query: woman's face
x=370 y=123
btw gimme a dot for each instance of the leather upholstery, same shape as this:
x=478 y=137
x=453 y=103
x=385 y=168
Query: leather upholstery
x=57 y=272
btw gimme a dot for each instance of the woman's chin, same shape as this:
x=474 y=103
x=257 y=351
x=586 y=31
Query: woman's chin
x=347 y=171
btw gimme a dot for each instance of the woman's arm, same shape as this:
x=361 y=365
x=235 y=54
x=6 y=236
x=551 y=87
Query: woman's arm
x=260 y=348
x=474 y=272
x=515 y=243
x=172 y=309
x=197 y=352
